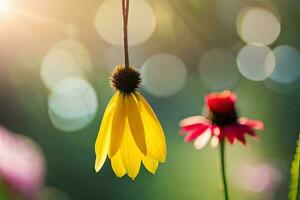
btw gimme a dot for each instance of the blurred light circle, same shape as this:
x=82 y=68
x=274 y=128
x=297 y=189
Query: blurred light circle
x=66 y=58
x=78 y=52
x=163 y=75
x=57 y=65
x=257 y=178
x=227 y=12
x=256 y=63
x=258 y=26
x=218 y=69
x=72 y=105
x=282 y=88
x=287 y=67
x=50 y=193
x=22 y=164
x=142 y=22
x=115 y=56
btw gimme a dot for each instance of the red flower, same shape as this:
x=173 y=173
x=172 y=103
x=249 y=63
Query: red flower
x=22 y=165
x=221 y=122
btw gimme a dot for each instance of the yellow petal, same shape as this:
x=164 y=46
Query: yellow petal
x=117 y=165
x=130 y=155
x=150 y=164
x=155 y=138
x=118 y=125
x=103 y=138
x=136 y=123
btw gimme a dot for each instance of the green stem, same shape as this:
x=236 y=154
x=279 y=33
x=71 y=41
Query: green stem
x=222 y=151
x=3 y=191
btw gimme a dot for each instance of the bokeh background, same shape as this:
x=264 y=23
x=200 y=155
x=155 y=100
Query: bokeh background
x=55 y=60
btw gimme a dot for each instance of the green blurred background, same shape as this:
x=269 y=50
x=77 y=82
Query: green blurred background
x=185 y=29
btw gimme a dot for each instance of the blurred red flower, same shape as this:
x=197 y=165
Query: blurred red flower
x=220 y=122
x=22 y=165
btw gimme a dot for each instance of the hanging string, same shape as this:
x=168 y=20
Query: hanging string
x=125 y=11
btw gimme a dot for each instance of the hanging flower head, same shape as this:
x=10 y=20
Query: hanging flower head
x=220 y=122
x=130 y=133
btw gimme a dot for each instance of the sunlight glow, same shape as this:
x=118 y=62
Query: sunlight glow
x=4 y=5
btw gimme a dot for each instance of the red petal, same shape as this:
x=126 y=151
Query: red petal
x=229 y=133
x=240 y=136
x=233 y=132
x=193 y=120
x=214 y=141
x=215 y=130
x=231 y=138
x=221 y=102
x=236 y=131
x=256 y=124
x=195 y=133
x=192 y=123
x=203 y=139
x=192 y=127
x=222 y=134
x=248 y=130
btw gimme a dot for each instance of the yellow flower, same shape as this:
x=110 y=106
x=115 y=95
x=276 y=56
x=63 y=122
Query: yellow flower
x=130 y=133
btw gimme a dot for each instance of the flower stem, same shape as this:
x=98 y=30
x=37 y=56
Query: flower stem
x=125 y=11
x=222 y=152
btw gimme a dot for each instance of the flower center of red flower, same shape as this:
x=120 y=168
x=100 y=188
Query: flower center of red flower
x=223 y=119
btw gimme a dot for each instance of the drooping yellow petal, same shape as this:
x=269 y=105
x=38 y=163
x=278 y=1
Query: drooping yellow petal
x=118 y=125
x=155 y=138
x=150 y=164
x=103 y=138
x=130 y=154
x=117 y=165
x=135 y=123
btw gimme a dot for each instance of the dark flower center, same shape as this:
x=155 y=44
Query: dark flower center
x=126 y=80
x=223 y=119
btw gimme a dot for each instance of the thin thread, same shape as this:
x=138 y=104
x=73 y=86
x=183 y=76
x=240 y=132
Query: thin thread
x=125 y=11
